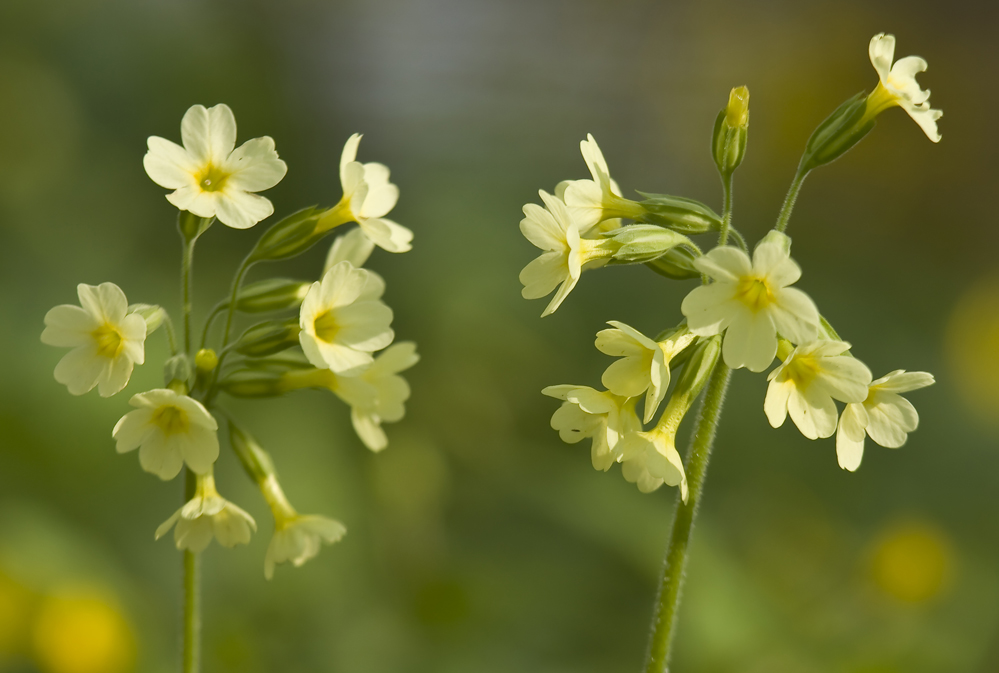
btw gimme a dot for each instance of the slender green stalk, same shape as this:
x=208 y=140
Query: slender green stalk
x=186 y=267
x=171 y=335
x=191 y=656
x=664 y=622
x=792 y=196
x=726 y=210
x=237 y=282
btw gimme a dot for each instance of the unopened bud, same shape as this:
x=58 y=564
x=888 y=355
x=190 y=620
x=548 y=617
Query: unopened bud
x=206 y=360
x=251 y=383
x=731 y=132
x=779 y=238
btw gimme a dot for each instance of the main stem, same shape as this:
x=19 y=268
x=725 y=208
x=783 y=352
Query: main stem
x=683 y=521
x=191 y=658
x=792 y=196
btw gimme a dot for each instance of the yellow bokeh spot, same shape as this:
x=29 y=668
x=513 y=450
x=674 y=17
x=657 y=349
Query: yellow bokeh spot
x=82 y=633
x=973 y=348
x=15 y=604
x=913 y=562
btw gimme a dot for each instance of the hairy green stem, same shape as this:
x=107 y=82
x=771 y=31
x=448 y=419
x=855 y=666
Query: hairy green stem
x=726 y=209
x=664 y=621
x=792 y=196
x=191 y=655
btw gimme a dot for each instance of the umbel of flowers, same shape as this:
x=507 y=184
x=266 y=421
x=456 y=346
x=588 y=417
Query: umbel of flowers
x=329 y=331
x=748 y=310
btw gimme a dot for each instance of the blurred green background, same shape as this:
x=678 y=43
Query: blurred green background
x=478 y=541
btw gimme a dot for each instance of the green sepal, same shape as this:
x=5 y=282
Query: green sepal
x=178 y=369
x=267 y=338
x=272 y=294
x=728 y=145
x=642 y=243
x=291 y=236
x=257 y=462
x=677 y=263
x=686 y=216
x=252 y=383
x=840 y=131
x=191 y=226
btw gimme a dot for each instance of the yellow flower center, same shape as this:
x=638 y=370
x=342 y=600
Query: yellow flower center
x=109 y=341
x=879 y=100
x=211 y=178
x=754 y=293
x=326 y=327
x=803 y=370
x=171 y=420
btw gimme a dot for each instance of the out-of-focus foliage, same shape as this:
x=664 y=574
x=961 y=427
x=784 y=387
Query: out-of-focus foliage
x=478 y=541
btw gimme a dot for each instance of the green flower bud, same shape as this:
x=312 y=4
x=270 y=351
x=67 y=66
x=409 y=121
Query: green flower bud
x=677 y=263
x=780 y=238
x=731 y=132
x=273 y=294
x=177 y=371
x=291 y=236
x=642 y=243
x=255 y=460
x=269 y=337
x=841 y=130
x=151 y=313
x=679 y=214
x=696 y=373
x=206 y=360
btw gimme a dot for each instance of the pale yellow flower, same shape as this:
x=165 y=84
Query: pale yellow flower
x=342 y=319
x=644 y=363
x=209 y=177
x=297 y=537
x=564 y=255
x=884 y=416
x=897 y=85
x=751 y=302
x=808 y=381
x=205 y=516
x=591 y=202
x=650 y=459
x=602 y=416
x=169 y=430
x=106 y=339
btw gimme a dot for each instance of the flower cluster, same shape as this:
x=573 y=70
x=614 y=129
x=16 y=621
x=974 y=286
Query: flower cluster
x=746 y=312
x=331 y=341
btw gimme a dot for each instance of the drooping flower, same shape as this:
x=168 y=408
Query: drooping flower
x=644 y=363
x=553 y=230
x=169 y=430
x=810 y=378
x=602 y=416
x=367 y=197
x=353 y=247
x=106 y=339
x=884 y=415
x=751 y=302
x=650 y=459
x=342 y=320
x=297 y=537
x=209 y=177
x=897 y=85
x=591 y=202
x=208 y=515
